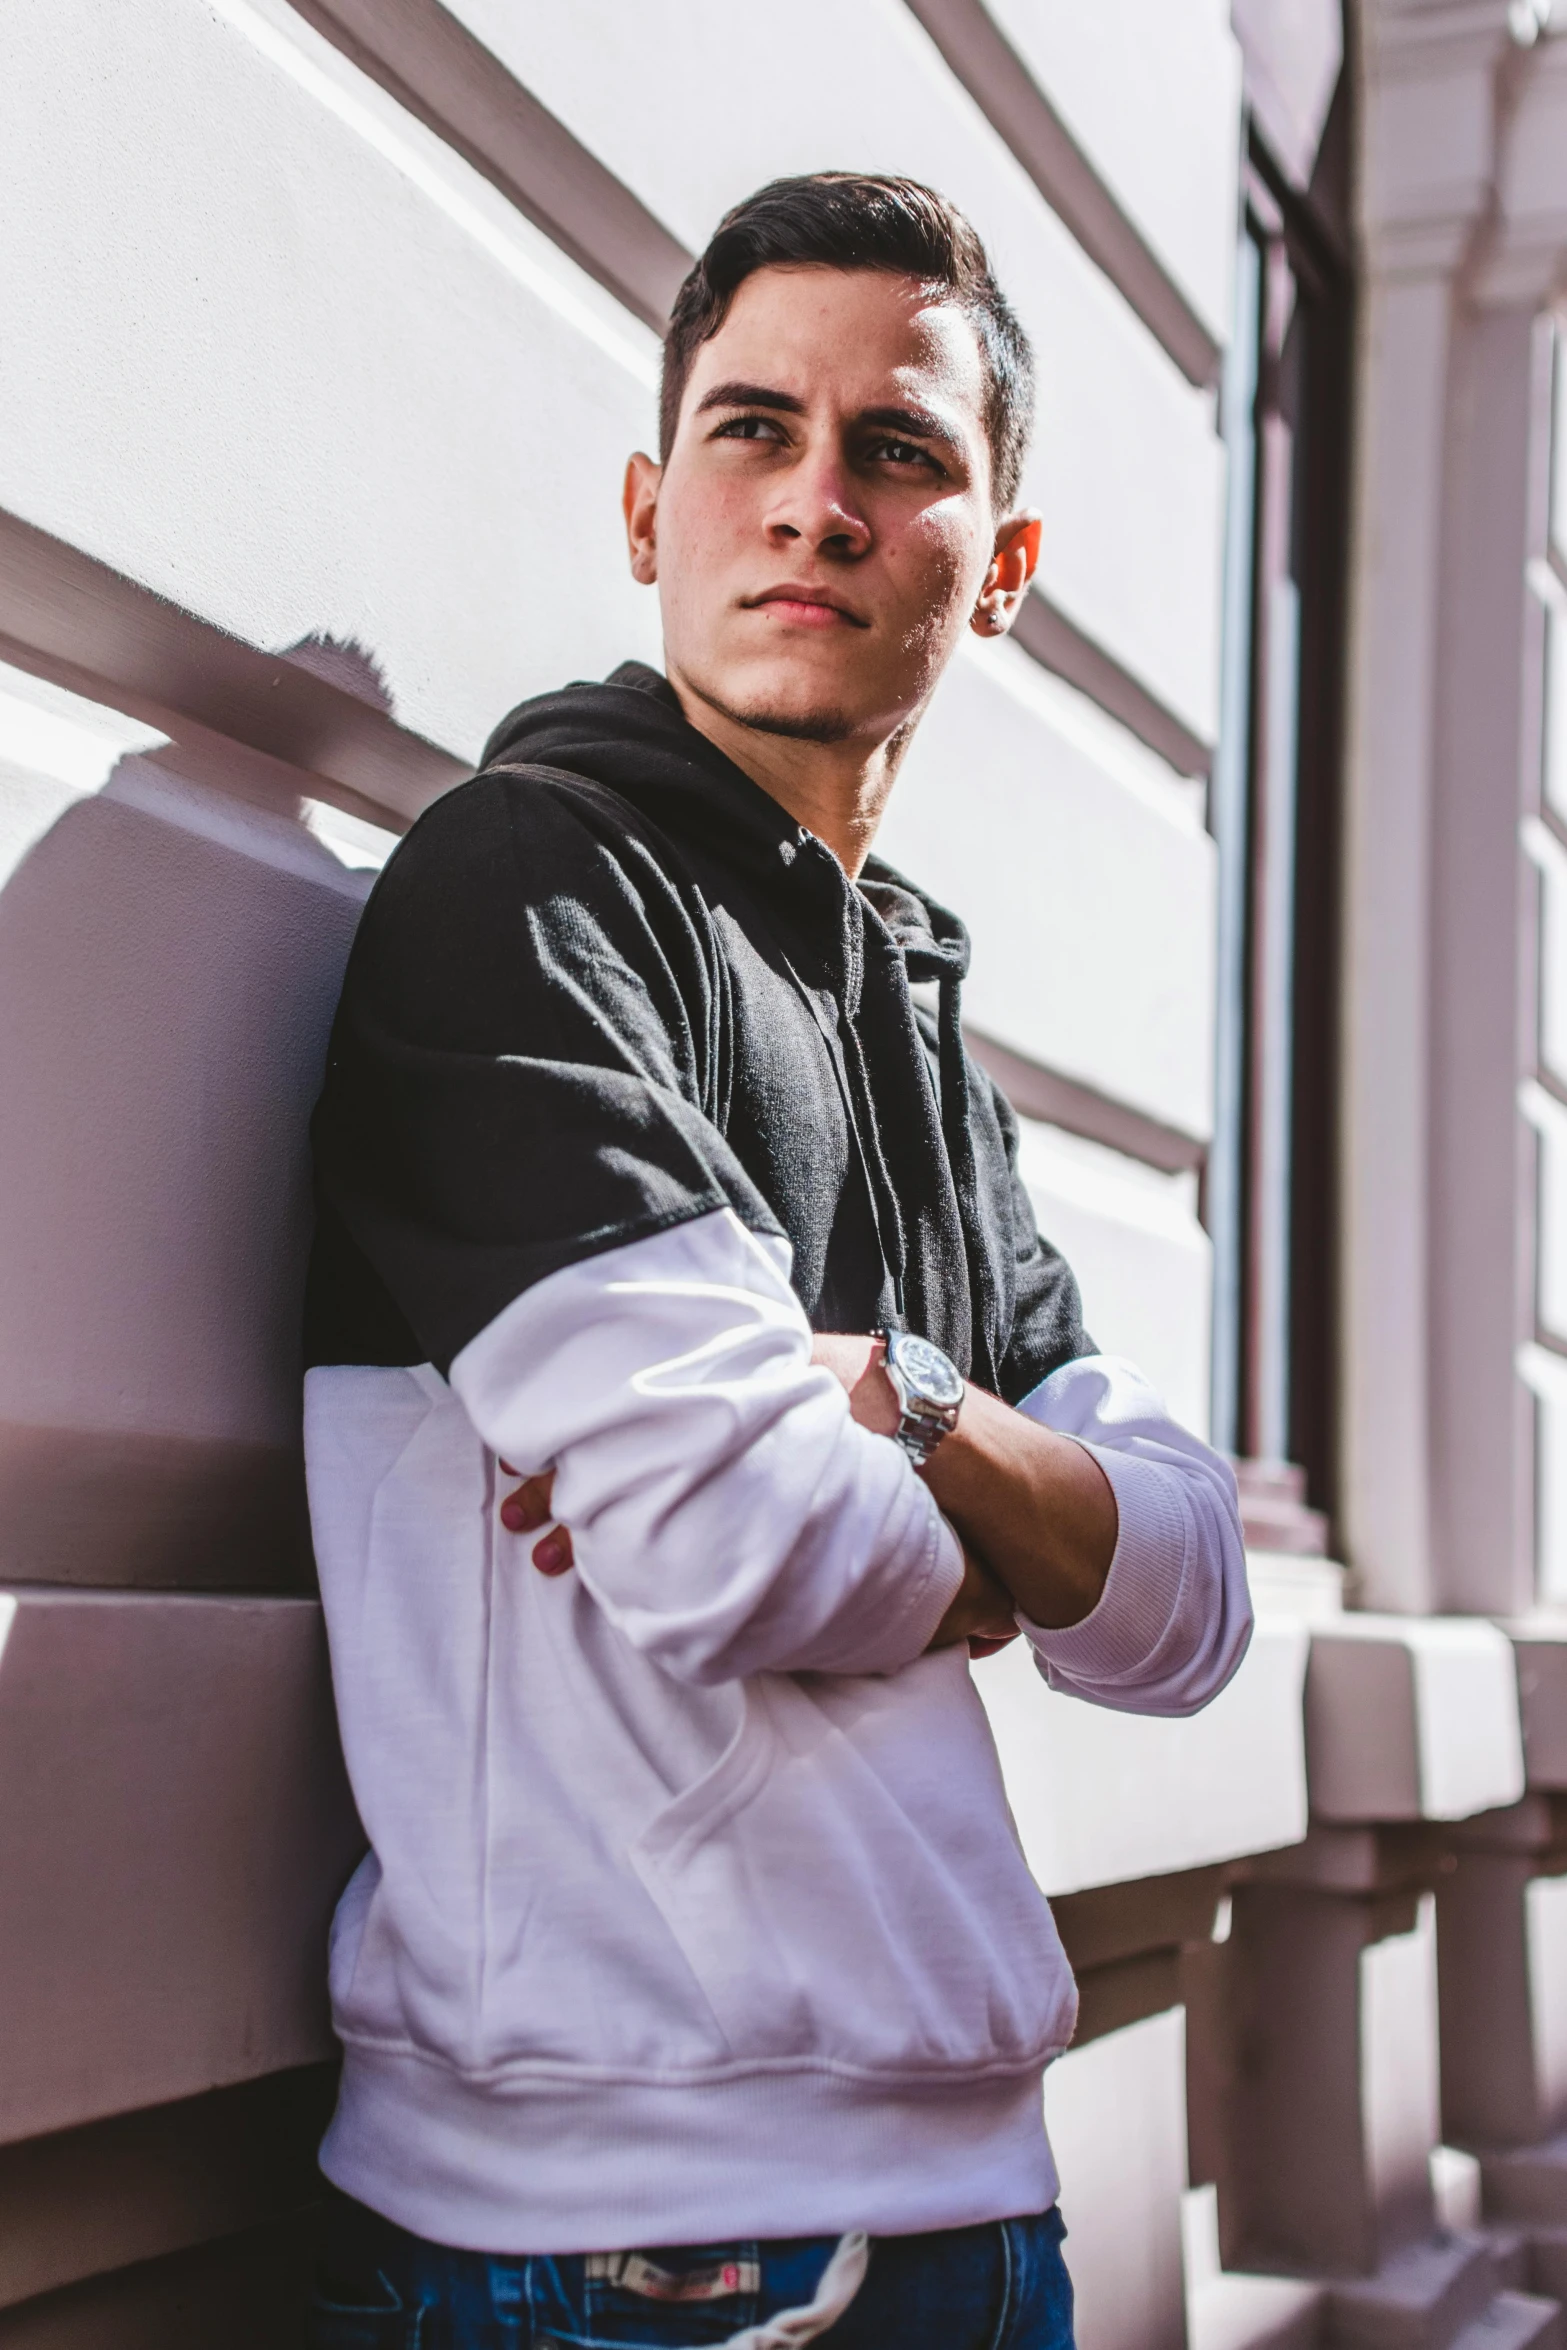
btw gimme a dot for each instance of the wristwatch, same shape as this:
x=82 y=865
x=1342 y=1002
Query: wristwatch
x=929 y=1388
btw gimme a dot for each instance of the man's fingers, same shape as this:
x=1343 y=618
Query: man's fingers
x=532 y=1505
x=554 y=1554
x=981 y=1609
x=984 y=1644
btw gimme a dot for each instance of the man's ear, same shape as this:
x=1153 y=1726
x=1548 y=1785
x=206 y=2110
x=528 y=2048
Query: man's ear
x=1011 y=569
x=639 y=504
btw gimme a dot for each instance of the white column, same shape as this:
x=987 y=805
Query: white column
x=1485 y=778
x=1385 y=1434
x=1436 y=1211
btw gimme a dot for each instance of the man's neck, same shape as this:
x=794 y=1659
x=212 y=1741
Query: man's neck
x=836 y=790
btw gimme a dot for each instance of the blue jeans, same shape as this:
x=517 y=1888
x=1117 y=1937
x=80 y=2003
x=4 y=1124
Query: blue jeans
x=1001 y=2287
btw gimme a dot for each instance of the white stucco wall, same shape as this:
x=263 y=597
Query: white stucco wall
x=1116 y=2112
x=1094 y=927
x=1143 y=1261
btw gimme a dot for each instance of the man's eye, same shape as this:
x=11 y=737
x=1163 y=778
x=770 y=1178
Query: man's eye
x=747 y=428
x=904 y=453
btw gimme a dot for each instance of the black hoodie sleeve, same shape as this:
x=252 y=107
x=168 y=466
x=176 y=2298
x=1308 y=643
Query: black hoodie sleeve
x=1047 y=1313
x=526 y=1068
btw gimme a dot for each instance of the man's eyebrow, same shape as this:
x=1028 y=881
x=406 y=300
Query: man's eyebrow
x=918 y=423
x=739 y=395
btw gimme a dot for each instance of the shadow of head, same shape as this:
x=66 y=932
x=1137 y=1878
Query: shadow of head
x=345 y=663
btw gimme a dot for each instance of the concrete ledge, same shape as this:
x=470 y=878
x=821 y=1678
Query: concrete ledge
x=1104 y=1798
x=1411 y=1718
x=175 y=1828
x=246 y=2293
x=1540 y=1649
x=84 y=2203
x=1109 y=1998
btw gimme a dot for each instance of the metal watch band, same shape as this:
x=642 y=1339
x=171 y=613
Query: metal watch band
x=922 y=1421
x=920 y=1430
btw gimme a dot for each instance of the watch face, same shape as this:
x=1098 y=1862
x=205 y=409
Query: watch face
x=928 y=1372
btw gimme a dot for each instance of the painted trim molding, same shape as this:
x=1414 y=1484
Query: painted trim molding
x=1058 y=644
x=68 y=617
x=1037 y=1092
x=431 y=64
x=995 y=76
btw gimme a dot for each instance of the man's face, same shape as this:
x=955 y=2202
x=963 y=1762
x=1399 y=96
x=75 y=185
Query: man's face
x=823 y=526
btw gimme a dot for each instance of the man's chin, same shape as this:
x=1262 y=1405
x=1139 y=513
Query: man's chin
x=797 y=718
x=799 y=726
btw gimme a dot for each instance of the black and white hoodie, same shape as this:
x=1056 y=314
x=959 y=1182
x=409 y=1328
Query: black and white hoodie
x=693 y=1909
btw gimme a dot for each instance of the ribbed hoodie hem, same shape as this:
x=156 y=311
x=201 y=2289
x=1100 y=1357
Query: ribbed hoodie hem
x=546 y=2165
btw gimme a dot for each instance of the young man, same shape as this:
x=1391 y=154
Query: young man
x=694 y=1988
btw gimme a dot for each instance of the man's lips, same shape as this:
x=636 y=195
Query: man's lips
x=807 y=607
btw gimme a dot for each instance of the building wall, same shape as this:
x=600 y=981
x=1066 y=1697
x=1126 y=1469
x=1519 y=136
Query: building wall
x=328 y=330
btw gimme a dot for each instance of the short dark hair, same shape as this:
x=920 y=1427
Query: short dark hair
x=855 y=220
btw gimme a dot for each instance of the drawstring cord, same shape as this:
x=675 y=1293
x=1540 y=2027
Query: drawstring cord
x=860 y=1103
x=841 y=2280
x=885 y=1210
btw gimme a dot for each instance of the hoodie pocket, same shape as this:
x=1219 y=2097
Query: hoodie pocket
x=408 y=1609
x=846 y=1884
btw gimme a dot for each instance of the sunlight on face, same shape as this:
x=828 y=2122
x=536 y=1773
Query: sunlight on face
x=823 y=525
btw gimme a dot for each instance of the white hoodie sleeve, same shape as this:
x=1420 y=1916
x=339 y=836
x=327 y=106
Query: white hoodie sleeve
x=725 y=1509
x=1175 y=1617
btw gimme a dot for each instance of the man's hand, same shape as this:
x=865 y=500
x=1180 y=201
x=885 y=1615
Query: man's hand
x=981 y=1614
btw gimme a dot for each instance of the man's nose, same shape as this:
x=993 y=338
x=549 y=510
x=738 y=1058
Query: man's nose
x=817 y=506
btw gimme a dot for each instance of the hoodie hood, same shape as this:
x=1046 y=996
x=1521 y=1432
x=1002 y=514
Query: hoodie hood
x=631 y=734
